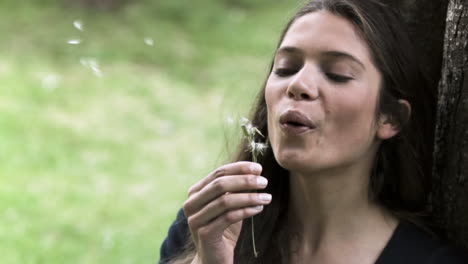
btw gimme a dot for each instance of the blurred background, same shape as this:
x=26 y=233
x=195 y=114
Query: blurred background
x=111 y=109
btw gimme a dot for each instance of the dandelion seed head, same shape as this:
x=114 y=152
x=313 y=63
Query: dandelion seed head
x=252 y=146
x=261 y=147
x=250 y=129
x=78 y=24
x=244 y=121
x=258 y=148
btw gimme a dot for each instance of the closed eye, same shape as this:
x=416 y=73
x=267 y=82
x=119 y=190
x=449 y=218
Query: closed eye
x=338 y=78
x=283 y=72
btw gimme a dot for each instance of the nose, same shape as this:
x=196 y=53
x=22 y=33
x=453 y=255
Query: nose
x=303 y=86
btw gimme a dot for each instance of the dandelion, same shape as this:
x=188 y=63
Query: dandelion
x=78 y=24
x=249 y=129
x=257 y=149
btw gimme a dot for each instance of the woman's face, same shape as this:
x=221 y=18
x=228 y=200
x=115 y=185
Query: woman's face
x=321 y=97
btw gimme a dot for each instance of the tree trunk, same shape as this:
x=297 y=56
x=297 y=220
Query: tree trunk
x=445 y=62
x=450 y=195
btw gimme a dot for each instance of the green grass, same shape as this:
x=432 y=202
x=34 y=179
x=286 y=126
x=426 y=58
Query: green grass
x=93 y=169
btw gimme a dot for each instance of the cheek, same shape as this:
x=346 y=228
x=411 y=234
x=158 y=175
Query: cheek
x=272 y=99
x=356 y=116
x=271 y=91
x=270 y=111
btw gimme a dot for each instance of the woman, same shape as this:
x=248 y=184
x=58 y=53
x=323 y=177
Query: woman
x=347 y=114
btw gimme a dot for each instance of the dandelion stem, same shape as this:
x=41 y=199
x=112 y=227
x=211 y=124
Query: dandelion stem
x=253 y=239
x=254 y=159
x=256 y=149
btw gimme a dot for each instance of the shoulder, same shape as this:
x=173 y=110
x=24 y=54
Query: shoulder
x=410 y=244
x=176 y=238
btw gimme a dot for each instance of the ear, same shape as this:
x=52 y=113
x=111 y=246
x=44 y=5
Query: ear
x=389 y=127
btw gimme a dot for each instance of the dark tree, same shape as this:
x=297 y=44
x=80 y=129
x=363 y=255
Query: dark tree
x=450 y=197
x=439 y=29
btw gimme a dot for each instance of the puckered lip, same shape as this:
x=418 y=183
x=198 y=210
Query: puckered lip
x=296 y=118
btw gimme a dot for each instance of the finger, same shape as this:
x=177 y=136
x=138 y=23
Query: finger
x=225 y=203
x=216 y=228
x=221 y=186
x=241 y=167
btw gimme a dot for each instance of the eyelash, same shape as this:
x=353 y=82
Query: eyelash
x=283 y=72
x=338 y=78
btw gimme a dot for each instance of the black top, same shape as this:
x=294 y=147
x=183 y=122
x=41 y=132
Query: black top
x=174 y=243
x=408 y=244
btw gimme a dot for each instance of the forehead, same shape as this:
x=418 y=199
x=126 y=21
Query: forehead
x=322 y=31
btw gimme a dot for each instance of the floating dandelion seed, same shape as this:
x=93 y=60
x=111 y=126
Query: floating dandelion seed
x=74 y=41
x=92 y=64
x=165 y=128
x=108 y=238
x=78 y=24
x=229 y=120
x=95 y=68
x=149 y=41
x=257 y=149
x=84 y=62
x=11 y=214
x=50 y=82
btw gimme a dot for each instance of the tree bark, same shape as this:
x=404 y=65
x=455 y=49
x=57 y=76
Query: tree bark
x=439 y=29
x=450 y=195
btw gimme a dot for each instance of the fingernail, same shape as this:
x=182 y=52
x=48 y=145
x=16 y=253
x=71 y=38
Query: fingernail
x=258 y=208
x=262 y=182
x=255 y=168
x=265 y=197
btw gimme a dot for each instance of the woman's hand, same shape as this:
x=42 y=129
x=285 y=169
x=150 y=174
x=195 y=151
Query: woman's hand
x=217 y=205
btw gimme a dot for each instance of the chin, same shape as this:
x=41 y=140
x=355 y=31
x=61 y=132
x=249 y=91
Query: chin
x=292 y=160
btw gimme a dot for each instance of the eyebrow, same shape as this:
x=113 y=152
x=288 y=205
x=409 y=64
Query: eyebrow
x=332 y=53
x=289 y=49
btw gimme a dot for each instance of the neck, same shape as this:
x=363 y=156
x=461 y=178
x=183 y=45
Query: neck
x=334 y=207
